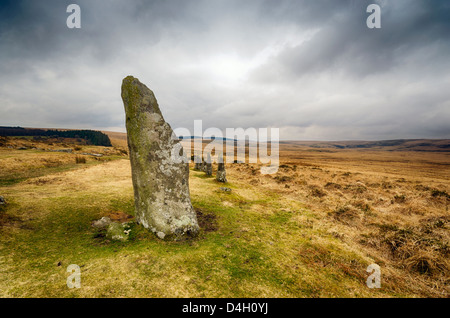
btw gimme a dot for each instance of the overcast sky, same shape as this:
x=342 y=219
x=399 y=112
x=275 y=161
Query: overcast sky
x=311 y=68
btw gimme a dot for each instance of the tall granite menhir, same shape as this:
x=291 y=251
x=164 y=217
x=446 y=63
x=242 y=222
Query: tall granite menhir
x=161 y=185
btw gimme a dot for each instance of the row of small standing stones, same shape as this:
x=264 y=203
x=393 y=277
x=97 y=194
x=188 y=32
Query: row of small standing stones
x=206 y=166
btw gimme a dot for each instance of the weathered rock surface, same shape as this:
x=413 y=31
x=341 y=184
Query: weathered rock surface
x=197 y=162
x=118 y=232
x=203 y=166
x=221 y=174
x=161 y=184
x=208 y=166
x=102 y=223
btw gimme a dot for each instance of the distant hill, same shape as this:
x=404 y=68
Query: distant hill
x=438 y=145
x=93 y=137
x=205 y=138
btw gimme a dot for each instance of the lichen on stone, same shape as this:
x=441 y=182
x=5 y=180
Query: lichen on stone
x=161 y=187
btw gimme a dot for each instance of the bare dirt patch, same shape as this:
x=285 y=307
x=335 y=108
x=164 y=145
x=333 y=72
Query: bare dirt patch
x=119 y=216
x=206 y=221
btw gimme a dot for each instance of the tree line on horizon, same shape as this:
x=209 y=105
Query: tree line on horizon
x=93 y=137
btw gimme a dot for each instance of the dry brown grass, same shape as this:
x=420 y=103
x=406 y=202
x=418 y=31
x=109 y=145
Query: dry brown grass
x=393 y=205
x=80 y=159
x=118 y=139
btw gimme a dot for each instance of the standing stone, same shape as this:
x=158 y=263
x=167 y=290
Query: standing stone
x=203 y=166
x=208 y=166
x=161 y=184
x=221 y=174
x=197 y=162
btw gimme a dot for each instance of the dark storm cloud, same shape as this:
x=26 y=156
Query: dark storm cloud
x=311 y=68
x=343 y=45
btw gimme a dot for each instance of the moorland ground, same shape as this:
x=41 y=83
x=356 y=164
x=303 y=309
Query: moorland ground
x=310 y=230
